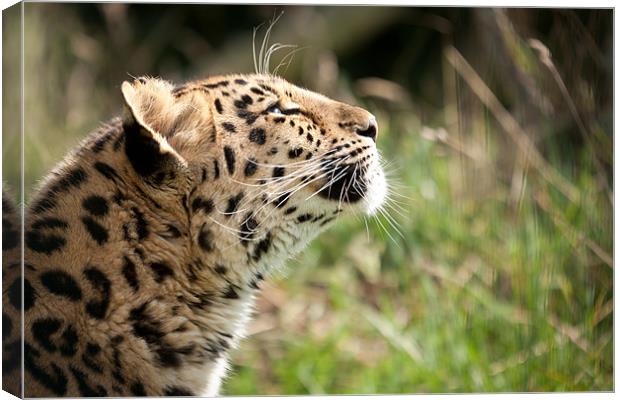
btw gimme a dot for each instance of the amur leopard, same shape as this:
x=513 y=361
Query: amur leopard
x=144 y=248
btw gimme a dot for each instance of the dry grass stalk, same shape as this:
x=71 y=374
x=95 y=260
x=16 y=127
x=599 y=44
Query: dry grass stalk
x=510 y=125
x=543 y=202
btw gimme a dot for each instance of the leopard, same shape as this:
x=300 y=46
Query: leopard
x=145 y=247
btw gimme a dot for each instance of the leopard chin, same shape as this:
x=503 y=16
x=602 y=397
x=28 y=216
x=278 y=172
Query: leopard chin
x=377 y=189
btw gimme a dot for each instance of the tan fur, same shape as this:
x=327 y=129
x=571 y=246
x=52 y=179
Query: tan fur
x=144 y=260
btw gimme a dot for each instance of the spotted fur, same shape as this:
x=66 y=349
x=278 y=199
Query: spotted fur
x=146 y=246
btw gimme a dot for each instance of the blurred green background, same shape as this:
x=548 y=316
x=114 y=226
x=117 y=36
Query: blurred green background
x=497 y=124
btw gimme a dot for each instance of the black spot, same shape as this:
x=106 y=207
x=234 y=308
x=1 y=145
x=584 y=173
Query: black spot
x=96 y=231
x=45 y=203
x=84 y=387
x=290 y=210
x=68 y=346
x=216 y=85
x=29 y=295
x=301 y=131
x=240 y=104
x=241 y=82
x=11 y=356
x=117 y=372
x=262 y=247
x=248 y=229
x=216 y=169
x=44 y=243
x=229 y=155
x=230 y=293
x=304 y=218
x=162 y=271
x=141 y=224
x=205 y=239
x=56 y=382
x=149 y=329
x=177 y=391
x=7 y=327
x=202 y=204
x=116 y=146
x=273 y=151
x=266 y=87
x=130 y=274
x=74 y=179
x=173 y=231
x=14 y=292
x=247 y=99
x=278 y=172
x=229 y=127
x=249 y=116
x=279 y=120
x=250 y=167
x=106 y=170
x=257 y=91
x=282 y=200
x=92 y=349
x=220 y=269
x=96 y=205
x=42 y=329
x=10 y=236
x=233 y=203
x=49 y=223
x=137 y=389
x=309 y=138
x=294 y=153
x=62 y=284
x=257 y=135
x=218 y=106
x=101 y=142
x=102 y=285
x=168 y=356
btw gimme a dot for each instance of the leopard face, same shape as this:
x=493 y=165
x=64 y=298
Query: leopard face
x=267 y=160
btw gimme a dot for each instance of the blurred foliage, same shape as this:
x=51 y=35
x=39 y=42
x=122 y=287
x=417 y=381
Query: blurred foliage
x=502 y=278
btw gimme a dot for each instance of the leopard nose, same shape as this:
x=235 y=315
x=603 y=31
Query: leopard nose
x=370 y=130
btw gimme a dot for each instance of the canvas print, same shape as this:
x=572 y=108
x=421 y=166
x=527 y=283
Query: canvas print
x=212 y=200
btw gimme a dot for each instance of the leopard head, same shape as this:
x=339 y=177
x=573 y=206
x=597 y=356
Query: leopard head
x=263 y=157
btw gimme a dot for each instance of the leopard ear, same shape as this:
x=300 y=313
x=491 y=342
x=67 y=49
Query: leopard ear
x=148 y=151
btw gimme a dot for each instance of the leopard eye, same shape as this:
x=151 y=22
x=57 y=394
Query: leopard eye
x=275 y=109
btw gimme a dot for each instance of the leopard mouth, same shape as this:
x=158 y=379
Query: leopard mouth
x=345 y=184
